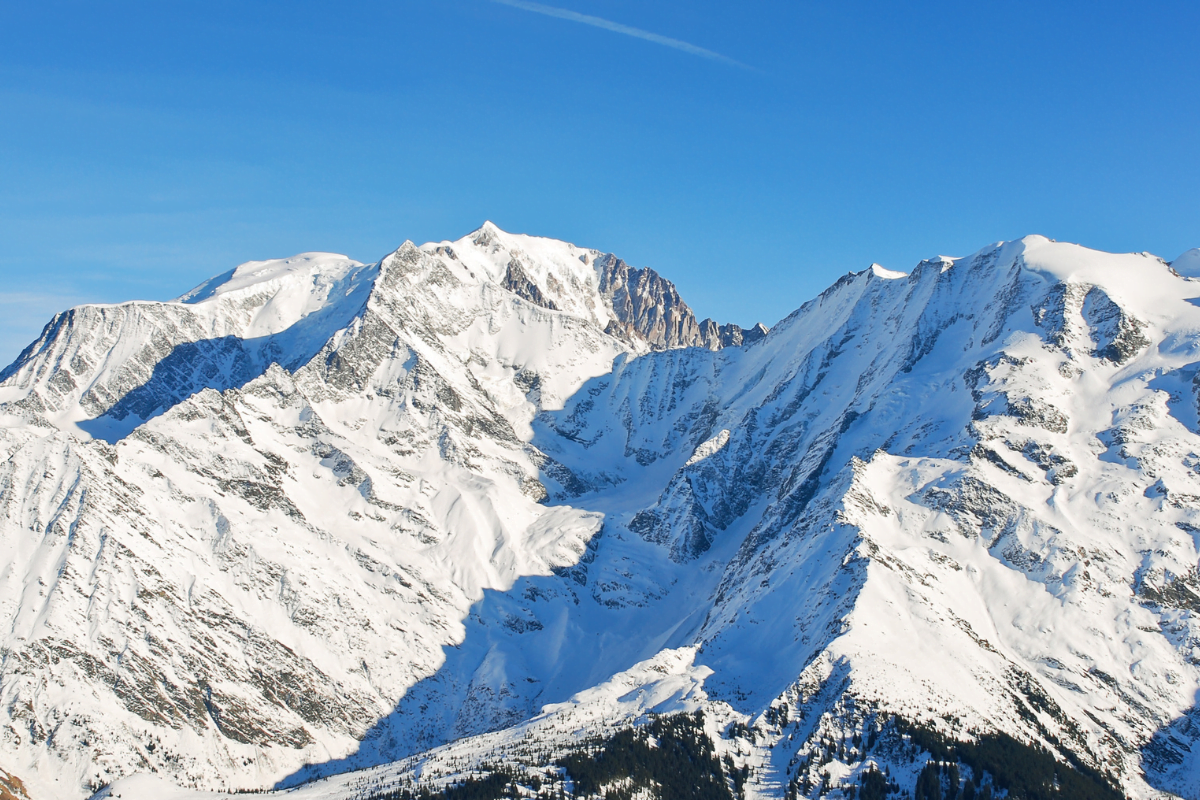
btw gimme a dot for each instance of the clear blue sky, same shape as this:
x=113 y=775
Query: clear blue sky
x=755 y=154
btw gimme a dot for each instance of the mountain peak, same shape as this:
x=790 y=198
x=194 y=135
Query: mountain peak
x=485 y=234
x=1188 y=263
x=254 y=274
x=887 y=274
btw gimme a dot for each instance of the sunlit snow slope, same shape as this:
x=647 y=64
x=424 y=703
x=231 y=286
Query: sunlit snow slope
x=315 y=502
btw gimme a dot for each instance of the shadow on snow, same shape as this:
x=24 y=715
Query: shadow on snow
x=222 y=363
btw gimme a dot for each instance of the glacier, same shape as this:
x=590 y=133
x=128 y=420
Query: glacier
x=336 y=525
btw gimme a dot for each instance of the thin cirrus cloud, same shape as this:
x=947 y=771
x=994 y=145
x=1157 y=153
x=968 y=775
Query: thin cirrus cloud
x=616 y=27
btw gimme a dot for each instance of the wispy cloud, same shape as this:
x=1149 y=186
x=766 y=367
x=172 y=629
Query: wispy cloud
x=616 y=27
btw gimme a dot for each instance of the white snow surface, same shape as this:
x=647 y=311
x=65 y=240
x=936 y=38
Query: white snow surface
x=318 y=516
x=706 y=449
x=1188 y=264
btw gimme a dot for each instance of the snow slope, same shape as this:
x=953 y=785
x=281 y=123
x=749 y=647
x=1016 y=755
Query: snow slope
x=425 y=503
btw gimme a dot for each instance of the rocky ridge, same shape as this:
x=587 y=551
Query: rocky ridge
x=647 y=308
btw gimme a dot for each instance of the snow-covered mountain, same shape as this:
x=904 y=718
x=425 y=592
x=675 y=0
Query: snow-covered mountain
x=318 y=516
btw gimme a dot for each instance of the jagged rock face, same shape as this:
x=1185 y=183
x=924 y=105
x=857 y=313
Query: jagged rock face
x=647 y=308
x=646 y=305
x=517 y=282
x=416 y=502
x=716 y=336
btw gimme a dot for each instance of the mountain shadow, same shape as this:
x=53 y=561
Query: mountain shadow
x=1171 y=759
x=543 y=640
x=226 y=362
x=624 y=600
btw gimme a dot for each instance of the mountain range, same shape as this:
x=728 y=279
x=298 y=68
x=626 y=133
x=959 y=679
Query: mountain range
x=490 y=505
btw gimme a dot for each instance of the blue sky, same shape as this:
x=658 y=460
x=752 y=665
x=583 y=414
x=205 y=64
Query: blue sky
x=752 y=152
